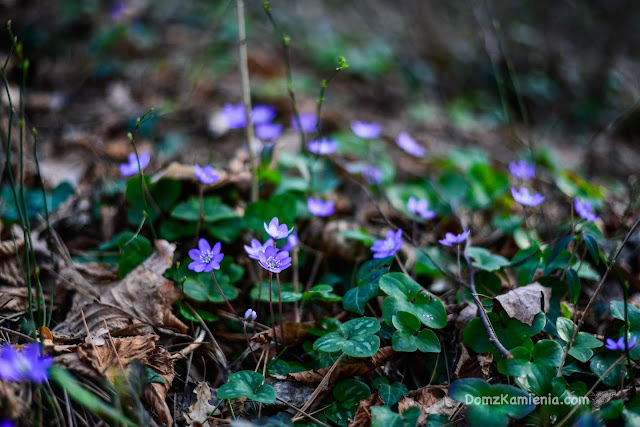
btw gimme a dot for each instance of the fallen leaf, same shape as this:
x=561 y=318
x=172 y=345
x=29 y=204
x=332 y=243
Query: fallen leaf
x=472 y=367
x=525 y=302
x=363 y=414
x=294 y=333
x=155 y=393
x=350 y=368
x=201 y=408
x=142 y=299
x=430 y=400
x=185 y=172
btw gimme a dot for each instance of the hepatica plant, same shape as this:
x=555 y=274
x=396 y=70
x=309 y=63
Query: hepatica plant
x=355 y=338
x=247 y=384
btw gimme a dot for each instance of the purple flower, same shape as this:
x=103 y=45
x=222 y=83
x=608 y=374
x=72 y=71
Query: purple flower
x=204 y=258
x=275 y=230
x=308 y=121
x=117 y=10
x=522 y=169
x=27 y=365
x=322 y=147
x=366 y=130
x=451 y=239
x=6 y=423
x=583 y=208
x=292 y=242
x=319 y=207
x=257 y=247
x=389 y=246
x=274 y=260
x=206 y=175
x=409 y=145
x=618 y=345
x=268 y=131
x=372 y=174
x=262 y=114
x=234 y=115
x=250 y=314
x=131 y=167
x=525 y=198
x=420 y=207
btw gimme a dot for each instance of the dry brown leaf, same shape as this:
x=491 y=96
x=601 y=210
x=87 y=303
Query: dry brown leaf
x=201 y=408
x=142 y=299
x=472 y=367
x=184 y=172
x=430 y=400
x=294 y=333
x=363 y=414
x=525 y=302
x=155 y=394
x=350 y=368
x=13 y=400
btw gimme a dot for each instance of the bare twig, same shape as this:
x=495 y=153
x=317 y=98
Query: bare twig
x=318 y=389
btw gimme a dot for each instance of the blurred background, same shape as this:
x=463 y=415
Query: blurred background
x=496 y=74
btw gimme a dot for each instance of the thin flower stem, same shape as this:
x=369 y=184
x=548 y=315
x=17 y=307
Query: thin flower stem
x=213 y=276
x=199 y=211
x=244 y=328
x=296 y=284
x=273 y=320
x=246 y=98
x=401 y=266
x=280 y=320
x=260 y=270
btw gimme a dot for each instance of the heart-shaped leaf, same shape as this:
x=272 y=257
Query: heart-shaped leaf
x=485 y=260
x=408 y=339
x=369 y=273
x=354 y=338
x=408 y=296
x=247 y=384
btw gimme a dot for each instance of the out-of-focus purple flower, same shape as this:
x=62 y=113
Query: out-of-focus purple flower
x=131 y=167
x=206 y=175
x=451 y=239
x=274 y=260
x=275 y=230
x=27 y=365
x=268 y=131
x=366 y=130
x=583 y=208
x=292 y=242
x=319 y=207
x=257 y=247
x=522 y=169
x=420 y=207
x=525 y=198
x=323 y=147
x=389 y=245
x=205 y=258
x=250 y=315
x=234 y=115
x=308 y=121
x=262 y=114
x=410 y=145
x=117 y=10
x=618 y=345
x=372 y=174
x=7 y=423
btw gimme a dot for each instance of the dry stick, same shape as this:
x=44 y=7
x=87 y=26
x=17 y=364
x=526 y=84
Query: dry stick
x=311 y=417
x=318 y=389
x=246 y=98
x=575 y=408
x=595 y=293
x=95 y=350
x=218 y=351
x=281 y=319
x=231 y=309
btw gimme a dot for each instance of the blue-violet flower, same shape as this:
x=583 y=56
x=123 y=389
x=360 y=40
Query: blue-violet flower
x=319 y=207
x=205 y=258
x=262 y=114
x=268 y=131
x=522 y=169
x=234 y=115
x=27 y=365
x=366 y=130
x=373 y=174
x=205 y=174
x=408 y=144
x=451 y=239
x=257 y=247
x=618 y=345
x=250 y=315
x=275 y=230
x=525 y=198
x=420 y=207
x=322 y=147
x=308 y=121
x=583 y=208
x=389 y=245
x=131 y=167
x=292 y=242
x=274 y=260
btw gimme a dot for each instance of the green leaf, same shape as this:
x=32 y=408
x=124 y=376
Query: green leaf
x=592 y=246
x=547 y=352
x=283 y=206
x=227 y=230
x=382 y=416
x=362 y=346
x=612 y=410
x=486 y=403
x=200 y=286
x=329 y=343
x=135 y=249
x=172 y=229
x=426 y=341
x=392 y=393
x=350 y=391
x=600 y=363
x=369 y=273
x=188 y=314
x=485 y=260
x=247 y=384
x=288 y=295
x=574 y=284
x=212 y=210
x=562 y=244
x=322 y=293
x=407 y=295
x=633 y=313
x=565 y=328
x=359 y=327
x=354 y=338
